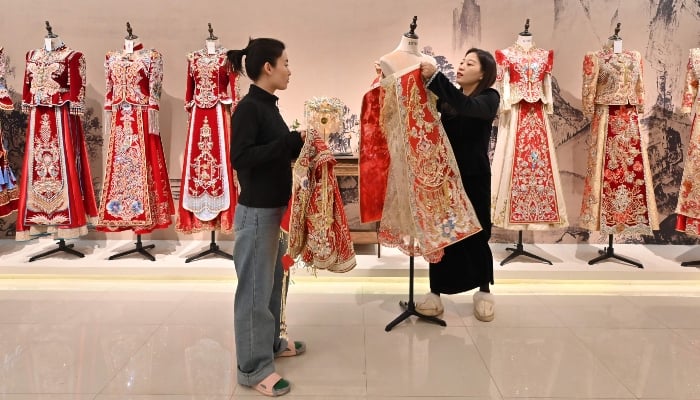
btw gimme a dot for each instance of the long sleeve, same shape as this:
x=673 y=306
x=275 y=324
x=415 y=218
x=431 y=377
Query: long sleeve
x=108 y=85
x=590 y=78
x=690 y=90
x=246 y=153
x=503 y=80
x=482 y=106
x=189 y=91
x=26 y=85
x=639 y=85
x=5 y=100
x=155 y=86
x=155 y=80
x=548 y=99
x=76 y=83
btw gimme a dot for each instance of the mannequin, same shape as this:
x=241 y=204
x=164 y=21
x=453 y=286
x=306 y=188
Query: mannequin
x=208 y=191
x=618 y=197
x=51 y=40
x=406 y=53
x=136 y=191
x=9 y=192
x=525 y=157
x=212 y=42
x=524 y=39
x=615 y=41
x=131 y=41
x=62 y=202
x=688 y=218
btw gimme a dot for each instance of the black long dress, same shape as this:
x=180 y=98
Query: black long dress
x=467 y=120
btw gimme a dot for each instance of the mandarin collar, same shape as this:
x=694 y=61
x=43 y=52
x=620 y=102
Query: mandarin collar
x=262 y=94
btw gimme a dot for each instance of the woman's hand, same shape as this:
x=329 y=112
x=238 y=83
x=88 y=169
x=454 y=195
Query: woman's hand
x=427 y=70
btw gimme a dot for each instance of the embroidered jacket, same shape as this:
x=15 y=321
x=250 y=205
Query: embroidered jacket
x=612 y=79
x=54 y=78
x=525 y=75
x=208 y=78
x=134 y=78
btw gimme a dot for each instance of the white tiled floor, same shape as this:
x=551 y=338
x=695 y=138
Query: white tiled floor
x=91 y=331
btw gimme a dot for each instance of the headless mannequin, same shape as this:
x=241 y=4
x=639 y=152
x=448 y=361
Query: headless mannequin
x=524 y=39
x=51 y=40
x=212 y=42
x=131 y=40
x=405 y=55
x=615 y=41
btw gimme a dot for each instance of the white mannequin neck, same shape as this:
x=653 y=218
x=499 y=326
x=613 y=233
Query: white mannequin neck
x=130 y=44
x=524 y=41
x=51 y=44
x=615 y=45
x=211 y=46
x=408 y=45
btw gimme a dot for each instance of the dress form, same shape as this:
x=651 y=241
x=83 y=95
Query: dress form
x=524 y=80
x=406 y=53
x=212 y=47
x=131 y=41
x=524 y=39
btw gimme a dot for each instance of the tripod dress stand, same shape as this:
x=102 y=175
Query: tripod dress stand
x=410 y=306
x=609 y=252
x=519 y=251
x=213 y=249
x=61 y=247
x=140 y=248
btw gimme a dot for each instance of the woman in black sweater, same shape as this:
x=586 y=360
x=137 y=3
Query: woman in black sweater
x=467 y=115
x=262 y=148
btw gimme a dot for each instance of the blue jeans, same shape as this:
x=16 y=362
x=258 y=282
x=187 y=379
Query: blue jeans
x=257 y=256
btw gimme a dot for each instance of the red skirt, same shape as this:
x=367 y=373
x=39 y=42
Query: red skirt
x=208 y=192
x=136 y=191
x=56 y=195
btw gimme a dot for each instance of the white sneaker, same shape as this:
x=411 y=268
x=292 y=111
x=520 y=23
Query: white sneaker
x=484 y=306
x=431 y=305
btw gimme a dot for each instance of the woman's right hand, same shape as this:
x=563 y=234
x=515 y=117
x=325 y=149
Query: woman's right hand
x=427 y=70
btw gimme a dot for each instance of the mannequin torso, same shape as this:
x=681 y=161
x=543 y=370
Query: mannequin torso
x=405 y=55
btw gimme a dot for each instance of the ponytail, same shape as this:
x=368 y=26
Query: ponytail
x=235 y=57
x=257 y=53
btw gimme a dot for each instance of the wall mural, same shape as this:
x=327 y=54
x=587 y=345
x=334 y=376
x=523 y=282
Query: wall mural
x=662 y=30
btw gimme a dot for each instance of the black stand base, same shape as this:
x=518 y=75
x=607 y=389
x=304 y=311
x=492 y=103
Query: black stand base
x=518 y=251
x=140 y=248
x=609 y=252
x=213 y=249
x=410 y=306
x=691 y=263
x=61 y=247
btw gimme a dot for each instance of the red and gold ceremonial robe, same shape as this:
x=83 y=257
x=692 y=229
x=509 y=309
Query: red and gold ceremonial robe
x=618 y=195
x=56 y=192
x=319 y=235
x=526 y=189
x=425 y=207
x=136 y=190
x=208 y=191
x=9 y=192
x=688 y=207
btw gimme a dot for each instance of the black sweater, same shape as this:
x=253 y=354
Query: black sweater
x=262 y=149
x=467 y=121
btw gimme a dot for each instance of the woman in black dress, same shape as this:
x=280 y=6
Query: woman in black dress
x=467 y=115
